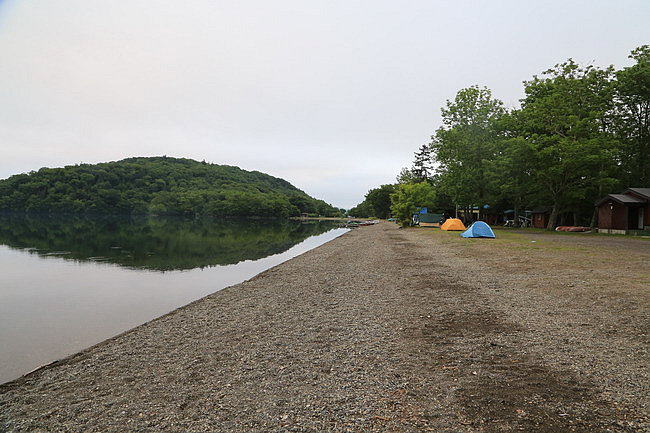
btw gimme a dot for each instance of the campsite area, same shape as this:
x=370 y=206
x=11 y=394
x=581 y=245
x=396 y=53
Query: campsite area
x=556 y=318
x=385 y=330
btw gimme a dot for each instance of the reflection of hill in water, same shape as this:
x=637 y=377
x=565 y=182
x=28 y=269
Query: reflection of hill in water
x=155 y=243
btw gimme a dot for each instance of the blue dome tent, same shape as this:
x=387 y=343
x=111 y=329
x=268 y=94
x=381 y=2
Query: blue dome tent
x=478 y=230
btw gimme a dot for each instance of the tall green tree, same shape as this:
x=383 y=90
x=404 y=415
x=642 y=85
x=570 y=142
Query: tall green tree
x=565 y=120
x=466 y=143
x=379 y=200
x=509 y=174
x=408 y=197
x=406 y=175
x=633 y=117
x=377 y=203
x=422 y=165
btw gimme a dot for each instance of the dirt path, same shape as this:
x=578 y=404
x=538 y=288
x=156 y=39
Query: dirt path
x=382 y=329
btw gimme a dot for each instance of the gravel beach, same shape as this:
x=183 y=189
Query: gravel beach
x=380 y=330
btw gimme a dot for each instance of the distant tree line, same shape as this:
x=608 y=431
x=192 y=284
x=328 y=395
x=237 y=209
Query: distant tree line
x=157 y=185
x=581 y=133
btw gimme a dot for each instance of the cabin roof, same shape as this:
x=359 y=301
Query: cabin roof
x=644 y=192
x=624 y=199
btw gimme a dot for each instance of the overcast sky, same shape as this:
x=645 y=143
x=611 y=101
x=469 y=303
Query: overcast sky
x=333 y=96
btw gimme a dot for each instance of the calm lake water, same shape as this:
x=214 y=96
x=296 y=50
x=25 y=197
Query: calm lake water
x=68 y=283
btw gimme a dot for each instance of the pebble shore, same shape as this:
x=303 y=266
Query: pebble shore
x=382 y=329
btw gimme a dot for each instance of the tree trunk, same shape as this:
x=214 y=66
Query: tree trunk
x=594 y=215
x=594 y=218
x=516 y=217
x=552 y=220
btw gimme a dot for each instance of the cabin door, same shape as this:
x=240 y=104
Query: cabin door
x=634 y=215
x=641 y=217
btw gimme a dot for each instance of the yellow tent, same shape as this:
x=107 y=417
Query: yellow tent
x=453 y=224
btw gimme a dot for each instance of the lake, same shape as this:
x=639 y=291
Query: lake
x=70 y=282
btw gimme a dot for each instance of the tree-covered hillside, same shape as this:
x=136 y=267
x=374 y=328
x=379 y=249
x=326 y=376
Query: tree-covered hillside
x=156 y=185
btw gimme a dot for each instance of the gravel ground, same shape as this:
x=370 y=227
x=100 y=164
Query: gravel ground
x=382 y=329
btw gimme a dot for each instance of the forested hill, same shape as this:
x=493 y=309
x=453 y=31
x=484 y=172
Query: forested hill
x=156 y=185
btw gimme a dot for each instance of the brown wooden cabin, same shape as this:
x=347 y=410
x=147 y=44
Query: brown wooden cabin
x=540 y=217
x=624 y=213
x=494 y=218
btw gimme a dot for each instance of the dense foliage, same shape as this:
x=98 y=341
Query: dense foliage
x=376 y=204
x=157 y=185
x=580 y=133
x=409 y=196
x=155 y=243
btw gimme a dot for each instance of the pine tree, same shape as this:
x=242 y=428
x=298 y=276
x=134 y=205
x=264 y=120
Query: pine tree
x=422 y=166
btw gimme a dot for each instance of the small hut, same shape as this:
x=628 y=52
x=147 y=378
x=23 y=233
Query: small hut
x=541 y=216
x=624 y=213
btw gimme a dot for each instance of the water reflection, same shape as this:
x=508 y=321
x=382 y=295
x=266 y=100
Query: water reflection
x=68 y=283
x=162 y=244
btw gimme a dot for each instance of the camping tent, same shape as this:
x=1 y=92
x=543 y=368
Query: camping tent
x=478 y=230
x=453 y=224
